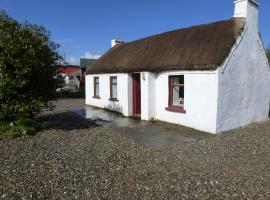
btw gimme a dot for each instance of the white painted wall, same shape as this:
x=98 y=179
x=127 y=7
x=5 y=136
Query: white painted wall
x=244 y=87
x=124 y=92
x=148 y=98
x=248 y=9
x=201 y=93
x=200 y=97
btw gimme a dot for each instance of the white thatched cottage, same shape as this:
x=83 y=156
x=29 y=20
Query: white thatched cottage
x=212 y=77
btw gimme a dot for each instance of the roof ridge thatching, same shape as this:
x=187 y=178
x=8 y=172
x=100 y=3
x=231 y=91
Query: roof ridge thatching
x=200 y=47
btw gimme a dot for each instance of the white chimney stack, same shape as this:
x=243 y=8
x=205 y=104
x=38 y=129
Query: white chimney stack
x=248 y=9
x=115 y=42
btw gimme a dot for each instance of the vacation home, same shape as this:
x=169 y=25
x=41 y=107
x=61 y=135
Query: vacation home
x=212 y=77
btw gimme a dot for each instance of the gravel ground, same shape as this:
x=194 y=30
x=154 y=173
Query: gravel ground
x=73 y=159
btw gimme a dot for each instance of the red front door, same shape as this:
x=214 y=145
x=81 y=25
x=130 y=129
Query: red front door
x=136 y=86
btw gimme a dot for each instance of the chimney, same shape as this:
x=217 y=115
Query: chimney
x=248 y=9
x=115 y=42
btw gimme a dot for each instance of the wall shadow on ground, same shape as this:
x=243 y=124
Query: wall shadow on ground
x=67 y=121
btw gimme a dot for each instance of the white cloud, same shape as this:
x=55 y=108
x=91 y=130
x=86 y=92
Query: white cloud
x=76 y=61
x=73 y=61
x=91 y=56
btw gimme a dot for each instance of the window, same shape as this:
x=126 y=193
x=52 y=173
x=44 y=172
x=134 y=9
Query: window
x=96 y=87
x=176 y=94
x=113 y=88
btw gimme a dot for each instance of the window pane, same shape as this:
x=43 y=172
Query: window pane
x=114 y=80
x=181 y=79
x=97 y=90
x=175 y=96
x=96 y=85
x=114 y=91
x=181 y=92
x=176 y=80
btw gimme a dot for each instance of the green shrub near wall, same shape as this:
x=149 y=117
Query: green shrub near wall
x=28 y=60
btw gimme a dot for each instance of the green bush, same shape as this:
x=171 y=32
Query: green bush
x=28 y=60
x=19 y=128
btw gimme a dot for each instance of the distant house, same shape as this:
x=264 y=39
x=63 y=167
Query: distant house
x=86 y=63
x=71 y=75
x=212 y=77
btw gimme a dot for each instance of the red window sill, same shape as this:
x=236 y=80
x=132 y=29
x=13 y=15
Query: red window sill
x=113 y=99
x=176 y=109
x=96 y=97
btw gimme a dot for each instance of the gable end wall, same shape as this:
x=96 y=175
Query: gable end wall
x=244 y=85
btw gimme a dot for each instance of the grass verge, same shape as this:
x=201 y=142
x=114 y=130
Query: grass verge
x=19 y=128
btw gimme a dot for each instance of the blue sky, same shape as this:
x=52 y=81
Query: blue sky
x=84 y=28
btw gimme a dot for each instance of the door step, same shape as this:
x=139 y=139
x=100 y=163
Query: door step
x=137 y=116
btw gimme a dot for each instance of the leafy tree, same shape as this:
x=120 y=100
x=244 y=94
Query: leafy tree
x=28 y=60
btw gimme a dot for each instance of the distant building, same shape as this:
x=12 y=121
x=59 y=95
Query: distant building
x=71 y=75
x=86 y=63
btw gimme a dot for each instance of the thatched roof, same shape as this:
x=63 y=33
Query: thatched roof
x=203 y=47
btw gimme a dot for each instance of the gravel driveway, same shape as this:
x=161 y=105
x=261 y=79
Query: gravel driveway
x=74 y=159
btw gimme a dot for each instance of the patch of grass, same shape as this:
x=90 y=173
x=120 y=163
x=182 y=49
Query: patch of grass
x=19 y=128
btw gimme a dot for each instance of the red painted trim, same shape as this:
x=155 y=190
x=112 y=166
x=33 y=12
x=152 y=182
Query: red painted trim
x=169 y=91
x=176 y=109
x=133 y=95
x=136 y=93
